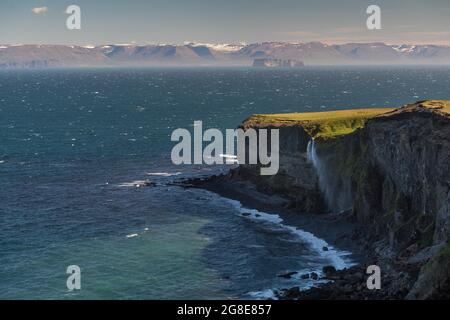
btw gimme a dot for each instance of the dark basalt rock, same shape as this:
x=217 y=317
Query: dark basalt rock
x=394 y=174
x=291 y=293
x=328 y=270
x=314 y=276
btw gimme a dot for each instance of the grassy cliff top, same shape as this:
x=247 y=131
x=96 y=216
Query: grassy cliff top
x=441 y=105
x=325 y=125
x=331 y=124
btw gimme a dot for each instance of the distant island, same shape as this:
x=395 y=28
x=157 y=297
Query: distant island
x=277 y=63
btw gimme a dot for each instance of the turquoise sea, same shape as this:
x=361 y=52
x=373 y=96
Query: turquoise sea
x=74 y=142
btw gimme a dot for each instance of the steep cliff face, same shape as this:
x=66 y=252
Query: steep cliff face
x=296 y=177
x=402 y=177
x=392 y=171
x=304 y=174
x=401 y=188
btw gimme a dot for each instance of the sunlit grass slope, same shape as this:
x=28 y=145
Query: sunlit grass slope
x=331 y=124
x=324 y=125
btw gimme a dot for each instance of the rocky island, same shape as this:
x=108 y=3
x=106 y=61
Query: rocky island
x=385 y=171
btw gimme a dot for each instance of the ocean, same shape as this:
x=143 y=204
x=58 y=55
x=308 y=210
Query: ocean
x=74 y=143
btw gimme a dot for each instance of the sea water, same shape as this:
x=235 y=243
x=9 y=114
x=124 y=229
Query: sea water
x=74 y=145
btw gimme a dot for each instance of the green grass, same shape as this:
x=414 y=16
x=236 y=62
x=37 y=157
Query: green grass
x=331 y=124
x=323 y=125
x=441 y=105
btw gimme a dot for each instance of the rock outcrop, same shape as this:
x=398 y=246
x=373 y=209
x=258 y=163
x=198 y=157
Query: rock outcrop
x=391 y=169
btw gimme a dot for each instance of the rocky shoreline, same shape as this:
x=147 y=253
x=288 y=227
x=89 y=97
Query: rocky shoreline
x=381 y=191
x=339 y=230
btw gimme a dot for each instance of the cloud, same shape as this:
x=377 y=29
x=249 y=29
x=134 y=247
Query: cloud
x=39 y=10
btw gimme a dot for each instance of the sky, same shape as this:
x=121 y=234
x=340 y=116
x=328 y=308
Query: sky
x=223 y=21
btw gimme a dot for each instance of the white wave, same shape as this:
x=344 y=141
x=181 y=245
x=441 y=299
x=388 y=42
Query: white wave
x=132 y=235
x=304 y=284
x=2 y=161
x=137 y=183
x=163 y=174
x=263 y=295
x=337 y=258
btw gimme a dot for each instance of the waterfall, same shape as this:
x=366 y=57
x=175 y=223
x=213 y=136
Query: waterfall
x=337 y=194
x=311 y=153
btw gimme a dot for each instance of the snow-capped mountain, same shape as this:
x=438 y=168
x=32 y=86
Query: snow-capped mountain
x=209 y=54
x=220 y=47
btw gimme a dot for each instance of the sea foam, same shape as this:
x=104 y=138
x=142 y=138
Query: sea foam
x=337 y=258
x=163 y=174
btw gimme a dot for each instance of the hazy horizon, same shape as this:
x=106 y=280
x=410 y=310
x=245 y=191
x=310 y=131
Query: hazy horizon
x=216 y=43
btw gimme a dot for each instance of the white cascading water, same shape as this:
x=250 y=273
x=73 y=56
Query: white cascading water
x=336 y=200
x=311 y=153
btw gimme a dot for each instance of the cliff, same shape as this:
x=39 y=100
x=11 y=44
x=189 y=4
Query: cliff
x=297 y=176
x=388 y=169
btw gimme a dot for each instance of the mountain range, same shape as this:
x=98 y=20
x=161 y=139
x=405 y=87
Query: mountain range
x=205 y=54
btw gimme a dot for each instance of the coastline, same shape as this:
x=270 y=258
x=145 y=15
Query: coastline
x=366 y=170
x=337 y=231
